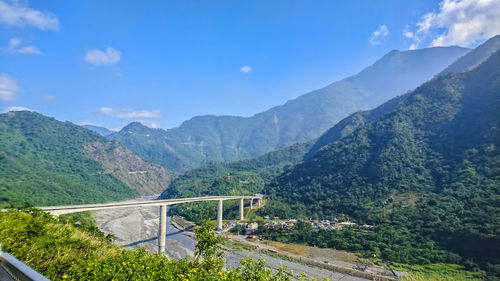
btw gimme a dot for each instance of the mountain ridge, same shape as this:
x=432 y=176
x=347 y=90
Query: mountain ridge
x=44 y=161
x=202 y=140
x=98 y=129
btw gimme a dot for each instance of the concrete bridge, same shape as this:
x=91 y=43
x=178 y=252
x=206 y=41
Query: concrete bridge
x=61 y=210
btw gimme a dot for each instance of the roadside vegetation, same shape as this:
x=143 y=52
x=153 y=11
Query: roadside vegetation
x=61 y=250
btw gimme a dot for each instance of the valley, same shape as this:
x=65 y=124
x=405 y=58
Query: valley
x=391 y=173
x=138 y=227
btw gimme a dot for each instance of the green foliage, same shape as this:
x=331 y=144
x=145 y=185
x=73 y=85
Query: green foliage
x=62 y=251
x=389 y=243
x=42 y=162
x=208 y=247
x=439 y=271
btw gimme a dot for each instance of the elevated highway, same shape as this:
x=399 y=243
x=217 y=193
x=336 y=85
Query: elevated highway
x=68 y=209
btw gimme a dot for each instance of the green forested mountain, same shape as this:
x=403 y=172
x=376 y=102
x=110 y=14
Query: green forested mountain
x=206 y=139
x=44 y=161
x=244 y=177
x=427 y=174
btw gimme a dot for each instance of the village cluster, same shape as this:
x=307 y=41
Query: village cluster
x=329 y=224
x=317 y=224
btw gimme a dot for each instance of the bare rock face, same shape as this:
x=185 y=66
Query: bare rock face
x=147 y=178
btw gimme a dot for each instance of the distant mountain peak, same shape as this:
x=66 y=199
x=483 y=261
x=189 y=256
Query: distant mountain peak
x=134 y=127
x=98 y=129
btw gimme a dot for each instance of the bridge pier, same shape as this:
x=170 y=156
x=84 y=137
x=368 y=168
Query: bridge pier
x=242 y=209
x=259 y=202
x=251 y=203
x=219 y=215
x=162 y=232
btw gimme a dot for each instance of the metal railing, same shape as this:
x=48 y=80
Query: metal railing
x=17 y=270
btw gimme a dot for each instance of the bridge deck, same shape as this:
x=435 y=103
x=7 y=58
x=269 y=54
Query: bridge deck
x=59 y=210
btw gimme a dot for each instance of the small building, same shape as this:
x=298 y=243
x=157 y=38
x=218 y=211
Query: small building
x=253 y=226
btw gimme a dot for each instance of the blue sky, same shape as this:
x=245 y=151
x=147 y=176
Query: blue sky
x=162 y=62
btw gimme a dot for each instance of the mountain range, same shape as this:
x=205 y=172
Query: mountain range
x=206 y=139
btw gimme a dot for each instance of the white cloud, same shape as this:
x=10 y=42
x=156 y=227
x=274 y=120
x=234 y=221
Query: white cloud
x=14 y=43
x=16 y=48
x=411 y=35
x=8 y=87
x=378 y=35
x=246 y=69
x=48 y=98
x=19 y=14
x=16 y=108
x=128 y=113
x=463 y=23
x=98 y=57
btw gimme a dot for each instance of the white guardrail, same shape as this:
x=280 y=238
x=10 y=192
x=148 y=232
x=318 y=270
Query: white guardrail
x=13 y=269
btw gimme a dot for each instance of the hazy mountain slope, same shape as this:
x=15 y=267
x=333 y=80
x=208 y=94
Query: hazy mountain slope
x=42 y=161
x=100 y=130
x=474 y=57
x=428 y=170
x=206 y=139
x=349 y=124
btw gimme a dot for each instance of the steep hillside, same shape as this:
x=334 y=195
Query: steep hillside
x=426 y=173
x=474 y=57
x=206 y=139
x=43 y=162
x=146 y=178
